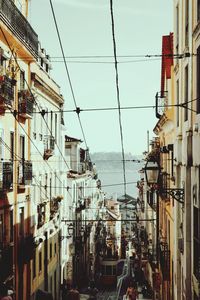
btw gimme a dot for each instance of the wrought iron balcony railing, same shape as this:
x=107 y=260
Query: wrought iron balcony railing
x=6 y=175
x=165 y=261
x=25 y=106
x=49 y=146
x=25 y=173
x=18 y=25
x=6 y=91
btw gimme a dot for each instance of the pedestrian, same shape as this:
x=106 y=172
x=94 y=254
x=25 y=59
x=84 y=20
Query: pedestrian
x=92 y=290
x=131 y=292
x=4 y=292
x=73 y=293
x=65 y=289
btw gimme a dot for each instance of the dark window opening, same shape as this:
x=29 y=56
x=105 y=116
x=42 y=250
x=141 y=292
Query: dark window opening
x=186 y=98
x=198 y=80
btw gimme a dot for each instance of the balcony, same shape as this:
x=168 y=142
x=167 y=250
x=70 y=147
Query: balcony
x=54 y=206
x=25 y=104
x=165 y=261
x=19 y=26
x=24 y=173
x=6 y=176
x=49 y=146
x=6 y=92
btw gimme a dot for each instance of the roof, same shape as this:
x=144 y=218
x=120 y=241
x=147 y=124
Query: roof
x=167 y=61
x=71 y=139
x=127 y=199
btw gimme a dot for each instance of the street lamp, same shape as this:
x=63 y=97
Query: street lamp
x=152 y=172
x=153 y=178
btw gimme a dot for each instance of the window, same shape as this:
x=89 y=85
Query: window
x=40 y=261
x=21 y=221
x=1 y=143
x=11 y=226
x=198 y=80
x=196 y=239
x=34 y=123
x=55 y=248
x=22 y=80
x=51 y=125
x=177 y=31
x=12 y=145
x=22 y=147
x=47 y=68
x=56 y=127
x=50 y=188
x=46 y=181
x=177 y=102
x=198 y=10
x=50 y=250
x=186 y=95
x=186 y=22
x=1 y=230
x=34 y=264
x=55 y=285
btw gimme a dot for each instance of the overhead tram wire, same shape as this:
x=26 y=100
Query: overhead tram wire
x=118 y=93
x=178 y=55
x=41 y=112
x=67 y=71
x=181 y=105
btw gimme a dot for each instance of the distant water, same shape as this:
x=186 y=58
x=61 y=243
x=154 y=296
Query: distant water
x=112 y=174
x=116 y=177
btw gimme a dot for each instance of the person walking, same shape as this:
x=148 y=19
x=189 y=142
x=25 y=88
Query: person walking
x=73 y=293
x=93 y=291
x=4 y=292
x=131 y=292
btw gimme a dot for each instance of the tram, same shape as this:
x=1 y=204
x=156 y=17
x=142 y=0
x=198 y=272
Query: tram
x=110 y=269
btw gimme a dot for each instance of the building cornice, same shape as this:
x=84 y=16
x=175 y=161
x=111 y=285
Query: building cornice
x=42 y=85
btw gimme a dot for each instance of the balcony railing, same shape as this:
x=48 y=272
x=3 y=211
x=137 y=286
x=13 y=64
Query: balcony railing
x=24 y=173
x=6 y=91
x=6 y=176
x=25 y=106
x=165 y=261
x=49 y=146
x=18 y=25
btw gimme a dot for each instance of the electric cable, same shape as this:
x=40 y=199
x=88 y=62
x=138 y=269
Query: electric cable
x=118 y=92
x=67 y=71
x=181 y=105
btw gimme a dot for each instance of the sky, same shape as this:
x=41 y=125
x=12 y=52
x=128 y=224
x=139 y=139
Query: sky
x=85 y=30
